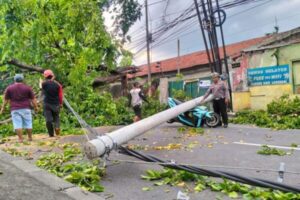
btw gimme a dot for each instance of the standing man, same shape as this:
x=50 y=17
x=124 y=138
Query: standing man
x=53 y=100
x=20 y=96
x=221 y=97
x=136 y=98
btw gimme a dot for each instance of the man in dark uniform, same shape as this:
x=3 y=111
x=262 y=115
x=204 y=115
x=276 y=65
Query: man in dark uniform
x=53 y=100
x=221 y=97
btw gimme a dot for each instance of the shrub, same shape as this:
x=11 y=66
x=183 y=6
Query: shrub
x=282 y=113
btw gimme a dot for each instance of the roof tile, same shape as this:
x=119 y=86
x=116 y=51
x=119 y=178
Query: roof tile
x=197 y=58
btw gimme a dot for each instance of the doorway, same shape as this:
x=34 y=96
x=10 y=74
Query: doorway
x=296 y=76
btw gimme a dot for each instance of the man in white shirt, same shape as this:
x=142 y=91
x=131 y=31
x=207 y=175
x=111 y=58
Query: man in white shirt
x=136 y=99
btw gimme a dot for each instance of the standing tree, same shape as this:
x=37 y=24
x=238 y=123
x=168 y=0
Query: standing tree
x=68 y=36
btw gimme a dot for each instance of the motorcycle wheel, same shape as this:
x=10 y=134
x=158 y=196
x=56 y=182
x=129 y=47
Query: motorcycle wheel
x=213 y=121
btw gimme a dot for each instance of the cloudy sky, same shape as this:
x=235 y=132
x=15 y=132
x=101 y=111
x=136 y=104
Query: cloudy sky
x=242 y=23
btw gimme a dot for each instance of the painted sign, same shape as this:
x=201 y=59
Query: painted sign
x=274 y=75
x=204 y=83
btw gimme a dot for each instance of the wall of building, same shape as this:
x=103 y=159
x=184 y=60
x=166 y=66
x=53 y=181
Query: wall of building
x=191 y=74
x=239 y=75
x=261 y=96
x=240 y=101
x=163 y=90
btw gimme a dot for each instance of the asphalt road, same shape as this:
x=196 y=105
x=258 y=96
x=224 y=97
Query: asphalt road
x=216 y=147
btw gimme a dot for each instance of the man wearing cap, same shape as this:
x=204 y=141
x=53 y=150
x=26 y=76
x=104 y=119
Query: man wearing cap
x=53 y=99
x=221 y=97
x=20 y=96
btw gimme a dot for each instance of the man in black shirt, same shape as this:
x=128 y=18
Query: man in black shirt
x=53 y=100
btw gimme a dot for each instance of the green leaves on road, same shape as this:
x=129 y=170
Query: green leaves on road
x=266 y=150
x=14 y=152
x=147 y=188
x=294 y=145
x=84 y=174
x=191 y=130
x=199 y=183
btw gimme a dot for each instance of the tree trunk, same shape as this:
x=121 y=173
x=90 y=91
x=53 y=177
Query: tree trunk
x=124 y=85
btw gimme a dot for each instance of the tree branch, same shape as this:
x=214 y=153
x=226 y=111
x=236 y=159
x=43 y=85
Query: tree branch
x=5 y=121
x=116 y=75
x=105 y=80
x=17 y=63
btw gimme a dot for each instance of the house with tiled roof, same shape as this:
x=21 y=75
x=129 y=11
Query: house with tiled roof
x=267 y=70
x=260 y=70
x=190 y=63
x=193 y=67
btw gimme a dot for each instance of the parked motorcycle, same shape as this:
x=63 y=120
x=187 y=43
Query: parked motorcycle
x=196 y=117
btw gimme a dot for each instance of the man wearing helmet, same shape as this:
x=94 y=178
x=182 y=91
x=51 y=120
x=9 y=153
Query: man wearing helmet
x=53 y=100
x=221 y=97
x=20 y=96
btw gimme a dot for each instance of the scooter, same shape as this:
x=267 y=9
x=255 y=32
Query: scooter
x=196 y=117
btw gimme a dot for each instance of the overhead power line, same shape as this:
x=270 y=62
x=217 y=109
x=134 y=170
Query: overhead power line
x=186 y=15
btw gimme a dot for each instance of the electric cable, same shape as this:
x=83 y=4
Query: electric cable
x=213 y=173
x=205 y=166
x=183 y=17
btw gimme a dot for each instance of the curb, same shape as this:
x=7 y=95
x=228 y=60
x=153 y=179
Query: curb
x=49 y=180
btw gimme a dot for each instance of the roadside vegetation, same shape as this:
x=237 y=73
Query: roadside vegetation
x=282 y=113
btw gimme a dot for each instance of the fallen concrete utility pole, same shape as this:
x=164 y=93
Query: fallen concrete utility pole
x=103 y=144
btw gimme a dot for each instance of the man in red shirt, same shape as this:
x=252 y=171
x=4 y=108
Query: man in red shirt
x=20 y=96
x=53 y=100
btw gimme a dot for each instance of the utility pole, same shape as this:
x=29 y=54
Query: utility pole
x=148 y=40
x=107 y=142
x=225 y=56
x=212 y=20
x=203 y=35
x=178 y=56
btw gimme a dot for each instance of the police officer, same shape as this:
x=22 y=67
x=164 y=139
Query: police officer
x=221 y=97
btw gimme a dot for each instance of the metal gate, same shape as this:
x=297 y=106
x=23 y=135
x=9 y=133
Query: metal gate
x=174 y=85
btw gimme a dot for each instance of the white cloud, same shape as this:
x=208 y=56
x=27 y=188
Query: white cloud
x=155 y=55
x=245 y=25
x=281 y=7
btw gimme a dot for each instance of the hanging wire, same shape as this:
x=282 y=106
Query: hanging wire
x=213 y=173
x=206 y=166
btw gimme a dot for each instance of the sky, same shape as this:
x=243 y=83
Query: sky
x=242 y=23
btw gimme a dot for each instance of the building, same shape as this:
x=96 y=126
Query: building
x=194 y=67
x=267 y=71
x=260 y=70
